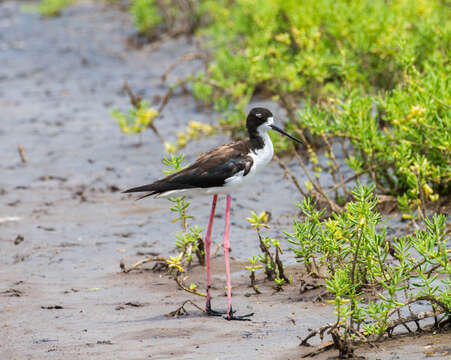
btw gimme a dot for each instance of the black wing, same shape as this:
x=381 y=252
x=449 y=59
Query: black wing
x=210 y=170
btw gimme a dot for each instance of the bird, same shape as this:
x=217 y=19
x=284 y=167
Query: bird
x=221 y=171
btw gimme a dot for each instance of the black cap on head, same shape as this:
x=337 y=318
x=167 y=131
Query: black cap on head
x=256 y=117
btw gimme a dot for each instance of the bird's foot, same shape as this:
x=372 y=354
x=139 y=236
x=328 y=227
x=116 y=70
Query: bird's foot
x=231 y=316
x=211 y=312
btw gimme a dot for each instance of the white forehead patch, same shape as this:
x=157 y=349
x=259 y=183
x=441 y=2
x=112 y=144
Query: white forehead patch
x=270 y=120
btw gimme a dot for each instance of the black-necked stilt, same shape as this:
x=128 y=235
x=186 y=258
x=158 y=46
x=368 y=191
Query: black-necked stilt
x=220 y=171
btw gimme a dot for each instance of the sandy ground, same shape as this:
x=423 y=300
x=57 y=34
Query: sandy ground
x=62 y=293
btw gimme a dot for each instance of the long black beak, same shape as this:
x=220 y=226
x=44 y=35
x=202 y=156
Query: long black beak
x=278 y=129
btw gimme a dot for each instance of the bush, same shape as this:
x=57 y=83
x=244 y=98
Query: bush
x=352 y=253
x=402 y=139
x=321 y=48
x=372 y=71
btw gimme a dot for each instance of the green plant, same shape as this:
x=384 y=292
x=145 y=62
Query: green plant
x=191 y=242
x=360 y=259
x=253 y=267
x=272 y=263
x=136 y=119
x=146 y=16
x=49 y=8
x=365 y=73
x=405 y=145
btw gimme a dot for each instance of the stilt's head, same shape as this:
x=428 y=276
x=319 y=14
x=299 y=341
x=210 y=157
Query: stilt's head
x=261 y=120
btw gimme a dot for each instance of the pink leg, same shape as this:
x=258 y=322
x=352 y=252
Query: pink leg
x=207 y=251
x=226 y=255
x=230 y=313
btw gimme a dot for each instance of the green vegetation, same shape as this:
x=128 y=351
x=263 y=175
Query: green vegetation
x=374 y=280
x=170 y=17
x=296 y=50
x=146 y=16
x=405 y=146
x=136 y=119
x=49 y=8
x=269 y=258
x=373 y=72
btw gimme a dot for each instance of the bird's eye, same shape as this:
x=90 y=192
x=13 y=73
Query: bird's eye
x=258 y=115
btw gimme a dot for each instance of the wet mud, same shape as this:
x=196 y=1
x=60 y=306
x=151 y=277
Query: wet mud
x=65 y=226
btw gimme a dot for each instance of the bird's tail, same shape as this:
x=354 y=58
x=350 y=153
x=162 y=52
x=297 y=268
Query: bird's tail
x=159 y=187
x=150 y=188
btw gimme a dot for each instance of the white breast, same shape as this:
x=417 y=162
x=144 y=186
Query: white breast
x=260 y=157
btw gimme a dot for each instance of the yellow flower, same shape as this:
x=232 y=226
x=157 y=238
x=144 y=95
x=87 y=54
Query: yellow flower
x=175 y=262
x=169 y=147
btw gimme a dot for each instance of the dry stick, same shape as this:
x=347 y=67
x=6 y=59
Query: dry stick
x=319 y=349
x=343 y=148
x=183 y=286
x=141 y=262
x=317 y=187
x=280 y=265
x=290 y=174
x=423 y=315
x=410 y=310
x=22 y=153
x=335 y=164
x=349 y=179
x=215 y=251
x=182 y=59
x=269 y=273
x=181 y=309
x=200 y=251
x=412 y=317
x=254 y=286
x=313 y=333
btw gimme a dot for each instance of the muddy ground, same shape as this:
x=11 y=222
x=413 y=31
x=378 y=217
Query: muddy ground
x=64 y=226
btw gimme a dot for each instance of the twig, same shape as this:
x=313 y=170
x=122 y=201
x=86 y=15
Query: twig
x=181 y=310
x=183 y=286
x=319 y=349
x=270 y=273
x=254 y=286
x=349 y=179
x=317 y=187
x=422 y=315
x=313 y=333
x=141 y=262
x=290 y=174
x=335 y=166
x=200 y=250
x=22 y=154
x=136 y=102
x=182 y=59
x=280 y=266
x=215 y=251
